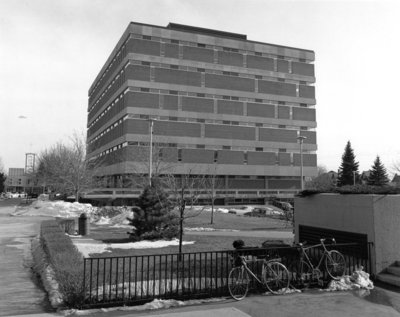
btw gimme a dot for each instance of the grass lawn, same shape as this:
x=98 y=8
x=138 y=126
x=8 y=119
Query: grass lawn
x=202 y=242
x=231 y=221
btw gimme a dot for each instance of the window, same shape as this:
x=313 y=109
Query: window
x=259 y=124
x=200 y=95
x=282 y=150
x=200 y=146
x=259 y=149
x=174 y=41
x=173 y=118
x=200 y=120
x=281 y=126
x=146 y=37
x=146 y=63
x=145 y=89
x=226 y=147
x=258 y=100
x=215 y=156
x=174 y=66
x=173 y=92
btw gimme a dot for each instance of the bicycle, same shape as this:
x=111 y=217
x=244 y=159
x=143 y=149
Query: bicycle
x=275 y=276
x=335 y=264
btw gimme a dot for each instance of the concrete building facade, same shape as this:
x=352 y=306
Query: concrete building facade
x=223 y=105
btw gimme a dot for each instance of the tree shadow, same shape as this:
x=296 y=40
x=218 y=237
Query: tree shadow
x=118 y=240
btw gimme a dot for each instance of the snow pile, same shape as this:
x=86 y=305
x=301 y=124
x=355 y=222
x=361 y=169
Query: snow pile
x=55 y=209
x=89 y=248
x=358 y=280
x=114 y=217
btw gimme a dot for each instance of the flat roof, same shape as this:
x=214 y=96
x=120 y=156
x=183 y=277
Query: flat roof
x=212 y=32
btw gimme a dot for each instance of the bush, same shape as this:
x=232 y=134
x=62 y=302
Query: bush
x=66 y=261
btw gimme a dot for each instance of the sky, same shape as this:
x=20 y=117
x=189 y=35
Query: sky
x=52 y=50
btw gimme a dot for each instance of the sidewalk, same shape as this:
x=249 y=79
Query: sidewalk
x=312 y=303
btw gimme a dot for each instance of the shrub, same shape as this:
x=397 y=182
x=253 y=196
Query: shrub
x=66 y=261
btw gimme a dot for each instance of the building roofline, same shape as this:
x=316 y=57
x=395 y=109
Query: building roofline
x=213 y=32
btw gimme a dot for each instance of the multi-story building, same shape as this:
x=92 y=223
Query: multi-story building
x=223 y=105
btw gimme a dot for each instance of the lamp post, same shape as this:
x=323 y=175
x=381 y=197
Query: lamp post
x=301 y=139
x=151 y=122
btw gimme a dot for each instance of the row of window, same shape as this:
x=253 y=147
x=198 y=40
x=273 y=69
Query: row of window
x=192 y=94
x=188 y=68
x=214 y=71
x=181 y=146
x=214 y=47
x=196 y=120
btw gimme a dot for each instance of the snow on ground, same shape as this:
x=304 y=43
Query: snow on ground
x=155 y=304
x=92 y=246
x=358 y=280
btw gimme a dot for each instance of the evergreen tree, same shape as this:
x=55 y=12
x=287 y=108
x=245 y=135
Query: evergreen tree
x=2 y=181
x=378 y=175
x=153 y=217
x=348 y=170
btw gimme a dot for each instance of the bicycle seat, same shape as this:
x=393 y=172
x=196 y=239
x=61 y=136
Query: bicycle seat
x=322 y=240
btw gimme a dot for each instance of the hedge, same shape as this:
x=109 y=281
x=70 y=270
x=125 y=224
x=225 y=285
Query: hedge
x=66 y=260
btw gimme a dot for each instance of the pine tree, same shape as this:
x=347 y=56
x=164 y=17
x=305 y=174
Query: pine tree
x=349 y=168
x=153 y=217
x=378 y=175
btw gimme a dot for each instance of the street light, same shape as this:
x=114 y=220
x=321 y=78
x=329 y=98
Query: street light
x=301 y=139
x=151 y=122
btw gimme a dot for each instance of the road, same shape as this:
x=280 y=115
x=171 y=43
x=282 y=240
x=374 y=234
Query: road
x=19 y=290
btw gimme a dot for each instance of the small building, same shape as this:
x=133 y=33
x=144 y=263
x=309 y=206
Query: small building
x=372 y=220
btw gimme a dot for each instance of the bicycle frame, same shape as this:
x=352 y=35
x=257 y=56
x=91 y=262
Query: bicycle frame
x=324 y=254
x=265 y=262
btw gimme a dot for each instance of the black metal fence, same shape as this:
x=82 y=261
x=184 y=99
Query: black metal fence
x=131 y=280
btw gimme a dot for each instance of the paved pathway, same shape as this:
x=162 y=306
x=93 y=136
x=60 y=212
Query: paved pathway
x=19 y=293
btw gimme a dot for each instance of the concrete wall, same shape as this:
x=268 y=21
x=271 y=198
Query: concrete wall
x=387 y=233
x=377 y=216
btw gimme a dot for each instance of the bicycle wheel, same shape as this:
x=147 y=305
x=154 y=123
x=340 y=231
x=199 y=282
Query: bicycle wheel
x=335 y=264
x=238 y=282
x=276 y=277
x=301 y=273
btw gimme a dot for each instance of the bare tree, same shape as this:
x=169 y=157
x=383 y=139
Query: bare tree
x=212 y=183
x=64 y=167
x=185 y=190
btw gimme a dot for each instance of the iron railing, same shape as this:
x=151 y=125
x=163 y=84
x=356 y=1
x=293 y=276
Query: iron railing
x=132 y=280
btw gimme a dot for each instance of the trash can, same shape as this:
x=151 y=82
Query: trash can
x=83 y=225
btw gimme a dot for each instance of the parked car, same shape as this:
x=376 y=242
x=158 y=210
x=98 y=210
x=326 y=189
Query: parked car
x=257 y=212
x=286 y=206
x=240 y=210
